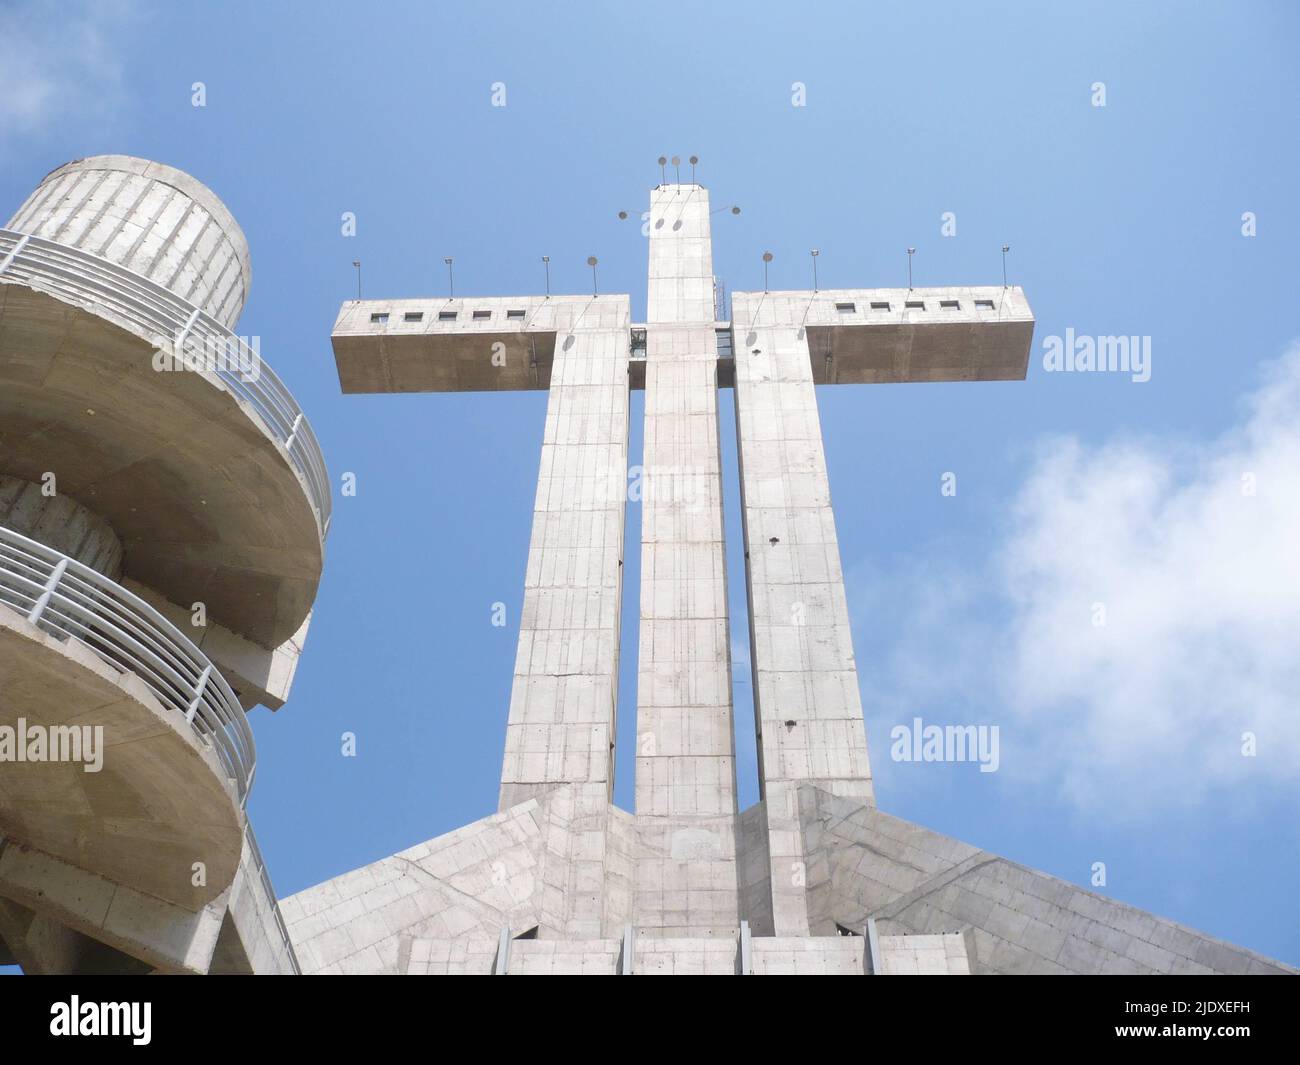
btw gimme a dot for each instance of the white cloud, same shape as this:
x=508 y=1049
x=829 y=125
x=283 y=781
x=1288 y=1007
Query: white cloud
x=1201 y=588
x=57 y=61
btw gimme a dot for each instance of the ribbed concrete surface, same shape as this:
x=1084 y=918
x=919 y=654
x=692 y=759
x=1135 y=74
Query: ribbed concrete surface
x=60 y=522
x=150 y=218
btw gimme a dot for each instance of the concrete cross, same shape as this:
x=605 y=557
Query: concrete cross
x=588 y=353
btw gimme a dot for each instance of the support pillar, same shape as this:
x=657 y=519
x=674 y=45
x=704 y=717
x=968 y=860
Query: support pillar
x=809 y=712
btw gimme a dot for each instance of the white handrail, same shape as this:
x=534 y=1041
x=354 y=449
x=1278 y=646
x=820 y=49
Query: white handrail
x=70 y=600
x=70 y=272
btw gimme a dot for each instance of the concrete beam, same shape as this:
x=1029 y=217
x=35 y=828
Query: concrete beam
x=260 y=677
x=42 y=946
x=473 y=344
x=897 y=335
x=163 y=936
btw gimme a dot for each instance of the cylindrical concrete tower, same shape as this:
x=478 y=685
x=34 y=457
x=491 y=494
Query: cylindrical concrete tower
x=163 y=510
x=62 y=523
x=150 y=218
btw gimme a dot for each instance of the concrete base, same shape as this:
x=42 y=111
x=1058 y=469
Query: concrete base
x=560 y=869
x=769 y=956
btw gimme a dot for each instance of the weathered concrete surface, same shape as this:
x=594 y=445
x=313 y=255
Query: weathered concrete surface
x=260 y=677
x=865 y=863
x=405 y=346
x=60 y=522
x=251 y=940
x=42 y=946
x=563 y=863
x=151 y=218
x=80 y=923
x=168 y=484
x=166 y=937
x=685 y=956
x=554 y=883
x=160 y=802
x=561 y=727
x=208 y=507
x=685 y=764
x=937 y=955
x=806 y=701
x=561 y=873
x=897 y=335
x=470 y=344
x=465 y=885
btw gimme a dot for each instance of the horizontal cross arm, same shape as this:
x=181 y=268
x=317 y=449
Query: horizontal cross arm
x=859 y=336
x=487 y=344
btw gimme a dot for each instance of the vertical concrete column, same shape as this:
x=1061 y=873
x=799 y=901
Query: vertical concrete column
x=685 y=767
x=806 y=700
x=562 y=703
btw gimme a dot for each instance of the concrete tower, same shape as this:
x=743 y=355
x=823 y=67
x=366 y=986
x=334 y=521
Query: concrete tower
x=163 y=511
x=811 y=879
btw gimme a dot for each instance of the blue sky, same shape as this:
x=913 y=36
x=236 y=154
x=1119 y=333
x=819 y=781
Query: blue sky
x=1119 y=744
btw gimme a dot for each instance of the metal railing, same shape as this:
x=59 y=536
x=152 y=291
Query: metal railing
x=174 y=324
x=255 y=852
x=72 y=601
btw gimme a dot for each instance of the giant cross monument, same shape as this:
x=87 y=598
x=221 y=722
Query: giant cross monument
x=812 y=878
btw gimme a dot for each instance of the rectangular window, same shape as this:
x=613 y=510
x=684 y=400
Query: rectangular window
x=446 y=316
x=413 y=316
x=984 y=305
x=846 y=308
x=381 y=318
x=915 y=305
x=514 y=314
x=726 y=346
x=881 y=306
x=950 y=305
x=480 y=315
